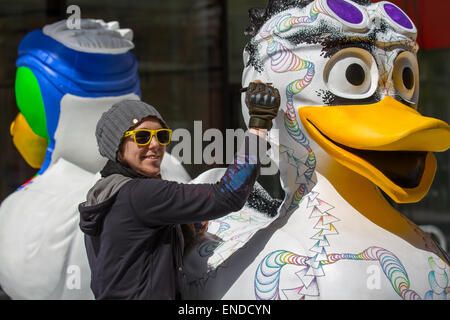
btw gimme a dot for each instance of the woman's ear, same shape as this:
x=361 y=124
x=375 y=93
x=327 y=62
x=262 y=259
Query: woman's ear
x=119 y=154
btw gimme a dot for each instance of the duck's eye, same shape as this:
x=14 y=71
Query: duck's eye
x=406 y=77
x=352 y=73
x=355 y=74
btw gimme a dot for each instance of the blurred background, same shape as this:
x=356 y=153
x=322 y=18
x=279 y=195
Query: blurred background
x=190 y=65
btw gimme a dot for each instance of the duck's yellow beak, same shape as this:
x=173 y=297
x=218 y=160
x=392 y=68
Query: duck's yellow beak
x=387 y=142
x=31 y=146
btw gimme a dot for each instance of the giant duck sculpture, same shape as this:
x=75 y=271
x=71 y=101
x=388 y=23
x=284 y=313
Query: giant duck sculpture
x=66 y=78
x=348 y=126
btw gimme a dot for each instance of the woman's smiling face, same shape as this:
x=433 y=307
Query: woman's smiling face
x=145 y=160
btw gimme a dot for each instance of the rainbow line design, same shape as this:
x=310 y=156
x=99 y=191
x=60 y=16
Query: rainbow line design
x=267 y=275
x=391 y=265
x=207 y=248
x=438 y=280
x=293 y=128
x=298 y=195
x=284 y=60
x=285 y=22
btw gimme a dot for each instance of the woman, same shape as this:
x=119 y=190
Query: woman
x=131 y=217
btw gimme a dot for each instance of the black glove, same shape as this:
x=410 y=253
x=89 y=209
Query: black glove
x=263 y=102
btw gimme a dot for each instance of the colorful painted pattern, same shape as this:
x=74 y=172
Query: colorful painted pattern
x=438 y=279
x=284 y=60
x=312 y=264
x=268 y=272
x=320 y=211
x=231 y=233
x=267 y=276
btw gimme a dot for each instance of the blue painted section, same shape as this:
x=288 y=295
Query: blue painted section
x=79 y=73
x=60 y=70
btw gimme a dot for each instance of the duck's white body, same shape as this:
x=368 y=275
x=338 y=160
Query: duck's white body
x=335 y=236
x=324 y=249
x=42 y=249
x=41 y=245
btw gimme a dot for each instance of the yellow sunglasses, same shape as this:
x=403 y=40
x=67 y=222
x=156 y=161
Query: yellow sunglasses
x=142 y=137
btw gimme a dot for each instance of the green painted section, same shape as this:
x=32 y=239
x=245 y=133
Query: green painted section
x=29 y=100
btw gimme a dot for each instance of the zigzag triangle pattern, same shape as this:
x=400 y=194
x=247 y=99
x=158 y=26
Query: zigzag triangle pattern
x=320 y=211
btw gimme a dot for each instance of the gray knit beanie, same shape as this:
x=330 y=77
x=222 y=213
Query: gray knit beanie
x=118 y=119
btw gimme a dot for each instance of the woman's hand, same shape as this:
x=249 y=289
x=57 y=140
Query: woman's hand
x=263 y=102
x=201 y=227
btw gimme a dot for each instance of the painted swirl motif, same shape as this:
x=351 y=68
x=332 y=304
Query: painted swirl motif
x=284 y=60
x=267 y=275
x=438 y=280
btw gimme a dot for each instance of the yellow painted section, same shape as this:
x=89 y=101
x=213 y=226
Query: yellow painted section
x=31 y=146
x=365 y=198
x=384 y=126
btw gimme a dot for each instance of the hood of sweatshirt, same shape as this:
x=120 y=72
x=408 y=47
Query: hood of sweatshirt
x=99 y=201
